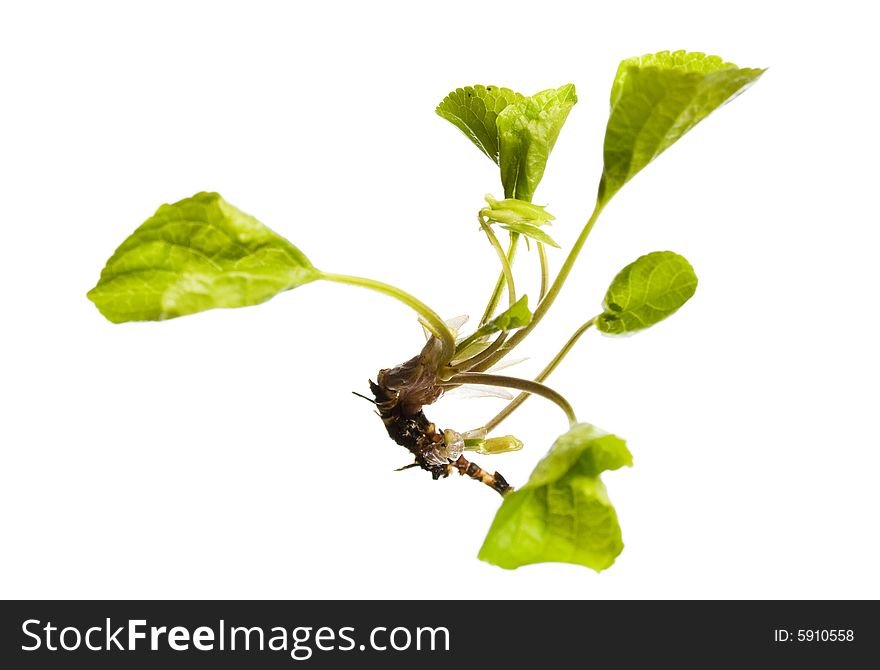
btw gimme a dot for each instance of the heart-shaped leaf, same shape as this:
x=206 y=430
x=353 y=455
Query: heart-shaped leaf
x=474 y=110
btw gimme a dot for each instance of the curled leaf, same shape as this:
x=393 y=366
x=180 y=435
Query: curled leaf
x=511 y=210
x=563 y=512
x=528 y=129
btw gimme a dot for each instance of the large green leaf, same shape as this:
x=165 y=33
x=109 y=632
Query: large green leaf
x=528 y=130
x=194 y=255
x=563 y=512
x=657 y=98
x=647 y=291
x=474 y=110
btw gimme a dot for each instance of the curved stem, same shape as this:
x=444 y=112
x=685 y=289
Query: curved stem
x=551 y=366
x=542 y=256
x=505 y=264
x=436 y=325
x=515 y=383
x=545 y=304
x=557 y=359
x=499 y=285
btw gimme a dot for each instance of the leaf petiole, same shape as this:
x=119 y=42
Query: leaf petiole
x=545 y=271
x=554 y=290
x=505 y=263
x=499 y=285
x=433 y=321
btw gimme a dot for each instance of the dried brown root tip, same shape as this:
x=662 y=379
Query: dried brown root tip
x=410 y=428
x=408 y=466
x=438 y=471
x=501 y=484
x=494 y=481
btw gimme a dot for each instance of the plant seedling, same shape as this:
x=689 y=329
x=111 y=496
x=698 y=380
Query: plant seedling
x=201 y=253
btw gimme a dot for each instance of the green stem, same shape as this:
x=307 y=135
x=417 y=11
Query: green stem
x=546 y=372
x=515 y=383
x=545 y=304
x=505 y=264
x=435 y=324
x=499 y=285
x=542 y=256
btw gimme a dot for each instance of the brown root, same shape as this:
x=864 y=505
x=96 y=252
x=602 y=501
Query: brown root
x=400 y=394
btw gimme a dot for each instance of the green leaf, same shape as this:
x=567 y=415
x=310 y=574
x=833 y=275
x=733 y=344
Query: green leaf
x=517 y=315
x=474 y=110
x=529 y=230
x=563 y=512
x=528 y=130
x=655 y=100
x=197 y=254
x=647 y=291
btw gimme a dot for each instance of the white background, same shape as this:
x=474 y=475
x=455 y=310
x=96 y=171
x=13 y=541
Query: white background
x=223 y=455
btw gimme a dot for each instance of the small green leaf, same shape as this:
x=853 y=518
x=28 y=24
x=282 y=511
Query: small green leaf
x=197 y=254
x=474 y=110
x=563 y=512
x=517 y=315
x=647 y=291
x=529 y=230
x=528 y=130
x=655 y=100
